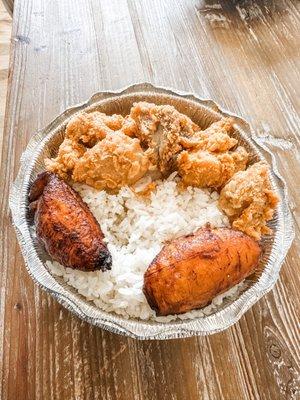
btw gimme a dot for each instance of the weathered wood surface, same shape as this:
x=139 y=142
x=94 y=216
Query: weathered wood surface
x=9 y=6
x=244 y=55
x=5 y=33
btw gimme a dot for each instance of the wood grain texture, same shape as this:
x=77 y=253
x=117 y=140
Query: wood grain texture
x=245 y=56
x=5 y=33
x=8 y=5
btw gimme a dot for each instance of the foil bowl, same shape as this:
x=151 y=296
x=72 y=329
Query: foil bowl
x=203 y=112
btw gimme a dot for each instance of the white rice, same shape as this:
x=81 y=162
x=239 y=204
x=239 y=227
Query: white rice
x=135 y=230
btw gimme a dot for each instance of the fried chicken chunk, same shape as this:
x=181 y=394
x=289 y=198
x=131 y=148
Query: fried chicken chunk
x=113 y=162
x=216 y=138
x=65 y=225
x=82 y=132
x=210 y=160
x=249 y=200
x=95 y=151
x=91 y=127
x=69 y=153
x=191 y=270
x=160 y=130
x=202 y=168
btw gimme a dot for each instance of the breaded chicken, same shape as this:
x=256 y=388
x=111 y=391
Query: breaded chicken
x=191 y=270
x=83 y=131
x=91 y=127
x=160 y=129
x=209 y=160
x=202 y=168
x=69 y=153
x=249 y=201
x=66 y=226
x=113 y=162
x=216 y=138
x=96 y=152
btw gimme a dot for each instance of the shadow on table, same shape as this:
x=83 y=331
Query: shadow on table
x=248 y=10
x=265 y=29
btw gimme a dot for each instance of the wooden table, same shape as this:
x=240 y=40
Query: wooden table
x=245 y=56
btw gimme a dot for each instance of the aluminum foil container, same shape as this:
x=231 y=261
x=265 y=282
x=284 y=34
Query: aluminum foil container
x=45 y=143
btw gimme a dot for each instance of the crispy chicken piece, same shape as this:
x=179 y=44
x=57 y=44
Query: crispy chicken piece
x=191 y=270
x=210 y=160
x=216 y=138
x=202 y=168
x=65 y=225
x=82 y=132
x=95 y=151
x=148 y=116
x=113 y=162
x=69 y=153
x=143 y=116
x=160 y=129
x=91 y=127
x=249 y=201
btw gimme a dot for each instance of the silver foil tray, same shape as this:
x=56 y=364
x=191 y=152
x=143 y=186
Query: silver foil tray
x=203 y=112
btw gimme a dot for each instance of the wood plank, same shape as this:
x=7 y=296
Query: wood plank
x=243 y=55
x=5 y=33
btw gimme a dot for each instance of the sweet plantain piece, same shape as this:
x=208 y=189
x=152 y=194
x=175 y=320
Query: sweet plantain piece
x=191 y=270
x=66 y=226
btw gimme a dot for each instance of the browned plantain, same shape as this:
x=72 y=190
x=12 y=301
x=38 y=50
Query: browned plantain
x=191 y=270
x=66 y=226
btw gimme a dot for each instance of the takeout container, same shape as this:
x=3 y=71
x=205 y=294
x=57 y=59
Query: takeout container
x=203 y=112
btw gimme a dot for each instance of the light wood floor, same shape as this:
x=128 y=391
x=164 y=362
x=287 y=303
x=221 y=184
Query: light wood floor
x=5 y=33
